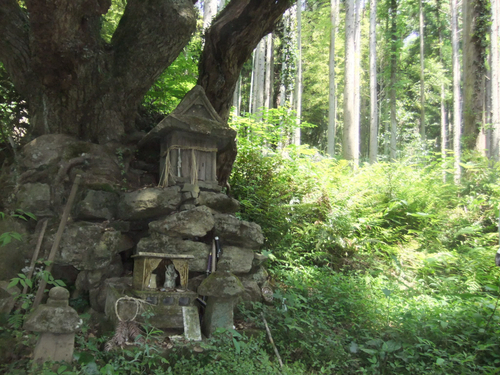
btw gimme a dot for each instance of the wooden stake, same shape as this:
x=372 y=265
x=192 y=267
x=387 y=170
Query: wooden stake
x=214 y=256
x=272 y=341
x=57 y=239
x=35 y=254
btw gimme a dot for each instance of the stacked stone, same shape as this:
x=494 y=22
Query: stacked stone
x=108 y=225
x=182 y=218
x=209 y=211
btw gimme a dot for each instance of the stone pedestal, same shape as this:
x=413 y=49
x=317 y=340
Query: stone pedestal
x=54 y=347
x=57 y=323
x=218 y=314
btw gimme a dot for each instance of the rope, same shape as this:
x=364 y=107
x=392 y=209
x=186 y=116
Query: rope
x=167 y=170
x=138 y=305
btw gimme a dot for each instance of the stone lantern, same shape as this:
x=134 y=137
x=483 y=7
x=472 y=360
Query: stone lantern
x=222 y=289
x=57 y=323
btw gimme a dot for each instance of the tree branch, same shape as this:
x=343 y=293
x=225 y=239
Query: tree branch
x=14 y=43
x=229 y=42
x=149 y=37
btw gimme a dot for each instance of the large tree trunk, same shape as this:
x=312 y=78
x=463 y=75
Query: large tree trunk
x=457 y=123
x=422 y=91
x=298 y=87
x=209 y=12
x=74 y=82
x=332 y=98
x=394 y=51
x=268 y=94
x=373 y=83
x=444 y=135
x=474 y=54
x=259 y=77
x=350 y=139
x=495 y=81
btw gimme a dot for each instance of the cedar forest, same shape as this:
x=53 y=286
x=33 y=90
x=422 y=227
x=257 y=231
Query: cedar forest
x=368 y=138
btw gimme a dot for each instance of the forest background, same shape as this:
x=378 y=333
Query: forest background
x=367 y=150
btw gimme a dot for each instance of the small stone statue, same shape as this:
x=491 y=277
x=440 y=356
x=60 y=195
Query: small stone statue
x=170 y=277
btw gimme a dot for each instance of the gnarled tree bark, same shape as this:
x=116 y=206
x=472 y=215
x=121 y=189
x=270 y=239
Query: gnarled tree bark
x=77 y=84
x=229 y=42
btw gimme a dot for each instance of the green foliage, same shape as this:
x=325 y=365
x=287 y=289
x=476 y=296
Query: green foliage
x=417 y=288
x=13 y=111
x=173 y=84
x=7 y=237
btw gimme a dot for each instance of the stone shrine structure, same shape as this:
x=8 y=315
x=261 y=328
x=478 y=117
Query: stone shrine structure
x=120 y=210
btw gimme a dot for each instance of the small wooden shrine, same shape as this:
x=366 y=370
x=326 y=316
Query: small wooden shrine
x=146 y=263
x=191 y=140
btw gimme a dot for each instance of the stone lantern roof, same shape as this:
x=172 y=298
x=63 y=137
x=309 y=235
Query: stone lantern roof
x=54 y=317
x=222 y=284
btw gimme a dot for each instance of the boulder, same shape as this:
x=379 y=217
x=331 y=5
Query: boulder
x=92 y=279
x=35 y=198
x=252 y=292
x=236 y=232
x=149 y=203
x=87 y=246
x=7 y=295
x=236 y=259
x=12 y=255
x=258 y=274
x=99 y=165
x=196 y=222
x=259 y=259
x=96 y=205
x=218 y=202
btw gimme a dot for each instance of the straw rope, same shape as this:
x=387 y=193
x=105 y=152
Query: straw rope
x=138 y=305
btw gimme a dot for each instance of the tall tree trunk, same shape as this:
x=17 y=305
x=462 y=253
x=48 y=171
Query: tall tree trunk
x=268 y=94
x=373 y=83
x=422 y=66
x=209 y=12
x=495 y=81
x=259 y=77
x=474 y=54
x=332 y=98
x=394 y=53
x=457 y=124
x=444 y=138
x=357 y=74
x=296 y=137
x=251 y=95
x=350 y=139
x=237 y=98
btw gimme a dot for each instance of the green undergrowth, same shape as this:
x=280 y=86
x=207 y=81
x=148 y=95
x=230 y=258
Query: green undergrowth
x=387 y=269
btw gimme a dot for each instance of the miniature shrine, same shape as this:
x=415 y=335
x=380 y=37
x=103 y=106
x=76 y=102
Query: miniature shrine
x=178 y=258
x=190 y=140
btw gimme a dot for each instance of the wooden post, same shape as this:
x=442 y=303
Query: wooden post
x=57 y=240
x=35 y=254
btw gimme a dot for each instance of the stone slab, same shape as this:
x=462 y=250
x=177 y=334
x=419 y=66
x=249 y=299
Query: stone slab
x=192 y=330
